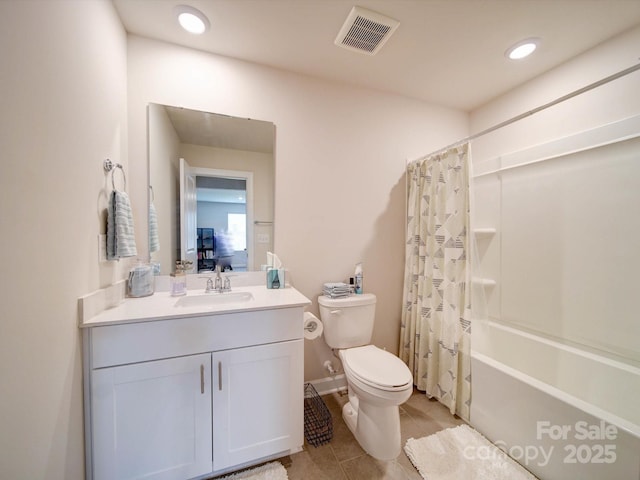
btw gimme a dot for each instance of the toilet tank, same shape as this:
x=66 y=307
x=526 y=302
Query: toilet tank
x=348 y=322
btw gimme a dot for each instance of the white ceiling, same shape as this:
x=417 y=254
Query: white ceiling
x=448 y=52
x=222 y=131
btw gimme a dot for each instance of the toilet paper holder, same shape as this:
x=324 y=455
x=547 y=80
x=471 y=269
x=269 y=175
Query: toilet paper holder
x=312 y=326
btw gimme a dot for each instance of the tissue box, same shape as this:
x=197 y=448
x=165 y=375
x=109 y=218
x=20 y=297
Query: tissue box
x=275 y=278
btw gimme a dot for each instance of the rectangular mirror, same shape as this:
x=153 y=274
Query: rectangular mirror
x=219 y=210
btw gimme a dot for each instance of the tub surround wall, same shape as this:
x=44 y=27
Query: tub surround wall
x=604 y=105
x=573 y=386
x=567 y=204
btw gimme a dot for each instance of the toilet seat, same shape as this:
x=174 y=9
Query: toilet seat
x=377 y=368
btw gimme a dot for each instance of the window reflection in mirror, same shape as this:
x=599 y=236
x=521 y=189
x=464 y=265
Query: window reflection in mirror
x=222 y=153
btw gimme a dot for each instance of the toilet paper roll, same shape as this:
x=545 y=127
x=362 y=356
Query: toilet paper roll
x=312 y=326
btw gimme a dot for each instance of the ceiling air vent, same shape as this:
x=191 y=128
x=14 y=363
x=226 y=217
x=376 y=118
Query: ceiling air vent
x=365 y=31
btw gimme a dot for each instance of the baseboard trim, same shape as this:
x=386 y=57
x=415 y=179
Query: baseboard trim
x=328 y=385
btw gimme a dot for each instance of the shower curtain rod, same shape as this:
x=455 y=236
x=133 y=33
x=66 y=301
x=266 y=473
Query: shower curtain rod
x=558 y=100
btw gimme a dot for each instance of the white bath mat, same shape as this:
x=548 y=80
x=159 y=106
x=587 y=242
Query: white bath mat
x=268 y=471
x=462 y=453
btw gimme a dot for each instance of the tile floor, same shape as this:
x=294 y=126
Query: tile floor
x=344 y=459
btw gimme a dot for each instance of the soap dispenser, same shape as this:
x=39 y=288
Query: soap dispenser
x=179 y=280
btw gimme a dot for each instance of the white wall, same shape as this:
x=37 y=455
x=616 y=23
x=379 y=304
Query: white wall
x=62 y=112
x=340 y=162
x=215 y=214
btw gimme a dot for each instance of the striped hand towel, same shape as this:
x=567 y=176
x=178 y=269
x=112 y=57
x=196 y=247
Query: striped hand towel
x=154 y=240
x=121 y=240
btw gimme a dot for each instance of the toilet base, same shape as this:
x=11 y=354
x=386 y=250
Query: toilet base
x=377 y=429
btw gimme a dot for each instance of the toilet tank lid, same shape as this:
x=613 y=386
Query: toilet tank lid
x=351 y=301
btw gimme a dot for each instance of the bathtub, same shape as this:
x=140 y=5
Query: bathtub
x=562 y=412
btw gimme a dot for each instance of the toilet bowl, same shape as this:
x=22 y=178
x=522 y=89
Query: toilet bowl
x=378 y=381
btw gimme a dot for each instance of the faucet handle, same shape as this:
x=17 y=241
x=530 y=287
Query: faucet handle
x=227 y=283
x=209 y=287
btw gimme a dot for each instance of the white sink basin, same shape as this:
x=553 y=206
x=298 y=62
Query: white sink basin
x=213 y=299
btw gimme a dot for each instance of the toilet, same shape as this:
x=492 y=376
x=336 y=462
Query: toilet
x=378 y=381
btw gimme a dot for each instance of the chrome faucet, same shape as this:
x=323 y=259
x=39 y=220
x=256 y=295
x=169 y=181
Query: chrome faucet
x=218 y=285
x=218 y=279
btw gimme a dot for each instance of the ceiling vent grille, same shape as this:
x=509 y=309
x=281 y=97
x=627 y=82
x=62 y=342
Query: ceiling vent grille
x=365 y=31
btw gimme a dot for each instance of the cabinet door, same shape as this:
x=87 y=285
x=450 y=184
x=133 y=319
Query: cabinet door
x=257 y=402
x=152 y=420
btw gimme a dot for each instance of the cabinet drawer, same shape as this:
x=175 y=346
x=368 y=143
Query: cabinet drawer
x=138 y=342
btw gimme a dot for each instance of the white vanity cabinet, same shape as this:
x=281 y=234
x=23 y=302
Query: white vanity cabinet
x=188 y=398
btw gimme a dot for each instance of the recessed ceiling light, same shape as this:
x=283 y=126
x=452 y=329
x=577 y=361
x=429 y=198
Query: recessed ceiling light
x=522 y=49
x=192 y=19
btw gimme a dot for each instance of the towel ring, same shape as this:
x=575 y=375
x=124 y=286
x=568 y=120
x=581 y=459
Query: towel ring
x=124 y=178
x=109 y=166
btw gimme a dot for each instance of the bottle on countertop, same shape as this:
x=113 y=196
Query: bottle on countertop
x=358 y=279
x=179 y=280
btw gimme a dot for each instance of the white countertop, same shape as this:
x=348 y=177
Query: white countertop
x=161 y=306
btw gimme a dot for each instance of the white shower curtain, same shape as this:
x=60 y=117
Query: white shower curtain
x=435 y=330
